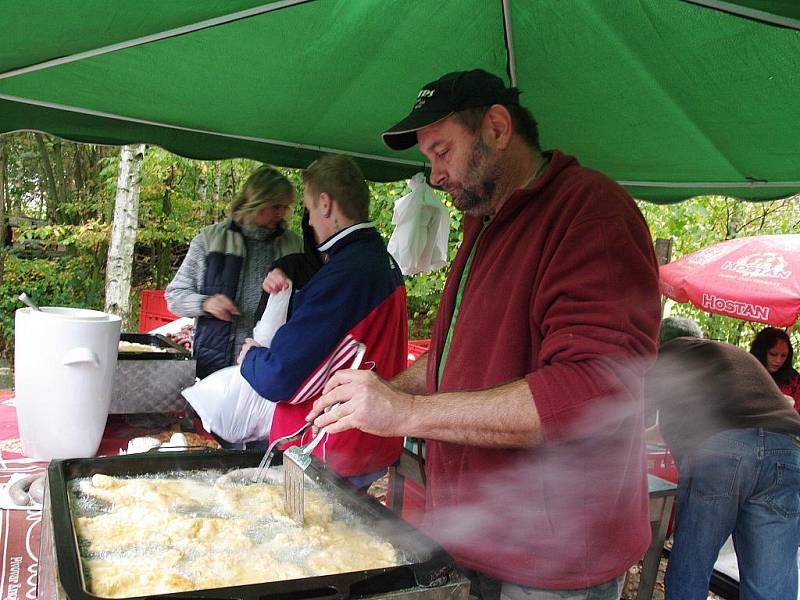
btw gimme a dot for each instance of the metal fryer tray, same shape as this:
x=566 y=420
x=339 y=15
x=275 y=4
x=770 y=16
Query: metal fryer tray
x=157 y=340
x=429 y=565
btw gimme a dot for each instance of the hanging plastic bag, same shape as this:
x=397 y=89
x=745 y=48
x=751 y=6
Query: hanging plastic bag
x=225 y=402
x=422 y=228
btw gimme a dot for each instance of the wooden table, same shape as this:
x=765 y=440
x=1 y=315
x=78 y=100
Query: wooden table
x=662 y=499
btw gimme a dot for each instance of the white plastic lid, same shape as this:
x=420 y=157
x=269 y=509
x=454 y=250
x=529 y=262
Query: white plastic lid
x=78 y=314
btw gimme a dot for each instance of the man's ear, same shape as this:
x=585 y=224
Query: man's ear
x=497 y=123
x=326 y=204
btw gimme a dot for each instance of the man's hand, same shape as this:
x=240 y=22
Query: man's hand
x=221 y=307
x=275 y=281
x=248 y=343
x=368 y=404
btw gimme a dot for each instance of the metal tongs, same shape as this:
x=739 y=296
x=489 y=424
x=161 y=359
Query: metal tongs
x=297 y=458
x=266 y=461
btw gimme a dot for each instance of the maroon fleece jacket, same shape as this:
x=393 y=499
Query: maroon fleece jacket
x=563 y=293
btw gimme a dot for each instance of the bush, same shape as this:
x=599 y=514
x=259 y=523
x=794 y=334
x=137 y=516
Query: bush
x=61 y=281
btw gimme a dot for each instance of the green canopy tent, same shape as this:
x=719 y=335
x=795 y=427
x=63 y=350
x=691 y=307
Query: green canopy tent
x=673 y=98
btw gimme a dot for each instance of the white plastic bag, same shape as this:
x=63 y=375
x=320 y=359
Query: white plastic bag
x=274 y=316
x=422 y=227
x=225 y=402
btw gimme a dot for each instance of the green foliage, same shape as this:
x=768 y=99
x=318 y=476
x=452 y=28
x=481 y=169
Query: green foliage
x=707 y=220
x=61 y=281
x=91 y=236
x=179 y=196
x=423 y=289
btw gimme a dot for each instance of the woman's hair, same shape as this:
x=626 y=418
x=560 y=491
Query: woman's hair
x=764 y=342
x=264 y=187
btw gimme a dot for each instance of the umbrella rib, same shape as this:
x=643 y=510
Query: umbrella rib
x=154 y=37
x=748 y=13
x=710 y=184
x=246 y=138
x=511 y=64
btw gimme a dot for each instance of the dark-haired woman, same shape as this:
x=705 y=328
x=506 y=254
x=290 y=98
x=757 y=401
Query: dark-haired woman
x=773 y=349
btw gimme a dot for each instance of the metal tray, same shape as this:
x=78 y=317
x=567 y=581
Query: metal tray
x=175 y=351
x=430 y=568
x=151 y=382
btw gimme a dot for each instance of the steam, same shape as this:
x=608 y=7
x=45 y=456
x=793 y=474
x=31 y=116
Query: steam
x=563 y=505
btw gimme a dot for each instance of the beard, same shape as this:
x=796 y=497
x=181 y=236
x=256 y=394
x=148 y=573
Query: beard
x=480 y=182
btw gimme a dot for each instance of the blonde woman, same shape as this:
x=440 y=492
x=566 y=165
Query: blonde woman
x=219 y=281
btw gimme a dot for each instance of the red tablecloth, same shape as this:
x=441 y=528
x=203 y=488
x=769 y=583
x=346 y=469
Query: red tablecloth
x=20 y=532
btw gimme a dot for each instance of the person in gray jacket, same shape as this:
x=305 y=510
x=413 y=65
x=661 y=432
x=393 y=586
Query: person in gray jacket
x=219 y=281
x=736 y=440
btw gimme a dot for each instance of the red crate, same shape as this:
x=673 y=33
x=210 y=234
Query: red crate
x=661 y=464
x=416 y=348
x=148 y=322
x=153 y=311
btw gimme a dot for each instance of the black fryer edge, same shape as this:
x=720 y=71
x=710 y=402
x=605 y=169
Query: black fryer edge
x=435 y=567
x=177 y=352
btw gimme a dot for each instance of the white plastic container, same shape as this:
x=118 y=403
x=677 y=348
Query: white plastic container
x=64 y=364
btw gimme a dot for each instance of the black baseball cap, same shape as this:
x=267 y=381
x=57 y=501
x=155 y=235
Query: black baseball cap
x=450 y=93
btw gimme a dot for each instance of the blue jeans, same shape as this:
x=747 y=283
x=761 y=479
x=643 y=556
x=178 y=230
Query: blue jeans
x=744 y=482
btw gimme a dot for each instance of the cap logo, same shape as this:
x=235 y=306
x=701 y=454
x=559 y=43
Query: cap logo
x=422 y=97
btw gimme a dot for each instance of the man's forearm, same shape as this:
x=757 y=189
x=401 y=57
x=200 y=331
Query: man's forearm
x=412 y=380
x=499 y=417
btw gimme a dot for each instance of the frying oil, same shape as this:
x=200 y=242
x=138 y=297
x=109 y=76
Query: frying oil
x=206 y=529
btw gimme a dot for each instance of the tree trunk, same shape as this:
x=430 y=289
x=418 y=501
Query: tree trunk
x=217 y=190
x=123 y=232
x=3 y=217
x=734 y=221
x=78 y=171
x=2 y=197
x=230 y=186
x=202 y=186
x=52 y=189
x=60 y=175
x=166 y=199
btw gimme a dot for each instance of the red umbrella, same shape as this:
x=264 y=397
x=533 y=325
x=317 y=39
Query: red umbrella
x=754 y=278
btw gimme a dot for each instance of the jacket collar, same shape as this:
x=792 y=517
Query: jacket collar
x=558 y=162
x=336 y=241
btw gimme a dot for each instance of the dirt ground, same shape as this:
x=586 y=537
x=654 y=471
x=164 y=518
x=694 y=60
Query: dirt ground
x=632 y=584
x=378 y=490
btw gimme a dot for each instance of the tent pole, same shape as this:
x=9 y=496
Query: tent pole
x=710 y=184
x=511 y=65
x=748 y=13
x=237 y=16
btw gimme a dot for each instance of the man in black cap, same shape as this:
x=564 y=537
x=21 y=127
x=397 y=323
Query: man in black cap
x=530 y=398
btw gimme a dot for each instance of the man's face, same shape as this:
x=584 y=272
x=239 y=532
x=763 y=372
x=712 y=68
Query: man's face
x=271 y=215
x=316 y=218
x=462 y=164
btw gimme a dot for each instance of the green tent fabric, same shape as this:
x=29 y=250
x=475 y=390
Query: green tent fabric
x=673 y=98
